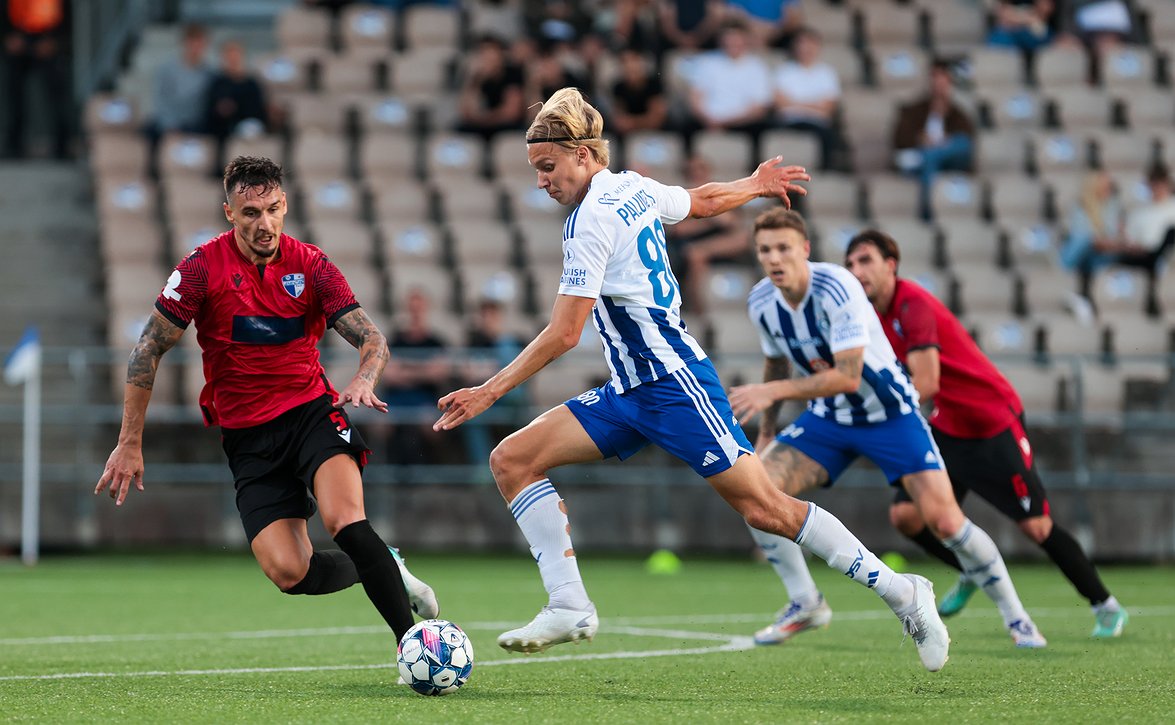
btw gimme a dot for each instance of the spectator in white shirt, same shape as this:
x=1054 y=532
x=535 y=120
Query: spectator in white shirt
x=807 y=93
x=730 y=89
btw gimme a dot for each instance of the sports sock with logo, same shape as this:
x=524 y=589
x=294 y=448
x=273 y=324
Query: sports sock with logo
x=787 y=558
x=379 y=573
x=984 y=565
x=330 y=571
x=825 y=536
x=935 y=548
x=542 y=516
x=1066 y=553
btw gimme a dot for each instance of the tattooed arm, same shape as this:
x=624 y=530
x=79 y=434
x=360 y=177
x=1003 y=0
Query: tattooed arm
x=357 y=328
x=125 y=464
x=844 y=377
x=774 y=368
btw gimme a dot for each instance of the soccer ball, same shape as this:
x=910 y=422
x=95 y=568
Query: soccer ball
x=435 y=657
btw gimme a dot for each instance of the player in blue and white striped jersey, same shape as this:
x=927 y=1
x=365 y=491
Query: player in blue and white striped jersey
x=663 y=388
x=860 y=403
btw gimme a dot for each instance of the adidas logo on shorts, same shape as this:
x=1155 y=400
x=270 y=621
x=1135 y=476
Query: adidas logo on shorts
x=708 y=459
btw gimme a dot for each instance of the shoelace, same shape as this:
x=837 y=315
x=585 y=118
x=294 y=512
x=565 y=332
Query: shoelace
x=910 y=629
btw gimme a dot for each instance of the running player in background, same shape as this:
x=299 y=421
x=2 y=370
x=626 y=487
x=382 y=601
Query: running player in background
x=978 y=423
x=261 y=302
x=663 y=389
x=860 y=403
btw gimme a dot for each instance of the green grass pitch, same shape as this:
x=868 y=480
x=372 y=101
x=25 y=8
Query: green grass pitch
x=171 y=638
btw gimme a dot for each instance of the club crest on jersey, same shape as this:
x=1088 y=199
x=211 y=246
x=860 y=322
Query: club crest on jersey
x=295 y=284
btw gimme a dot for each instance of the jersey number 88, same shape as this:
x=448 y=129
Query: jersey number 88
x=651 y=245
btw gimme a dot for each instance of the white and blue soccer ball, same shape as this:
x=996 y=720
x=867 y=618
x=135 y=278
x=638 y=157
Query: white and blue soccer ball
x=435 y=657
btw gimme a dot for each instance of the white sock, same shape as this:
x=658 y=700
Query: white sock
x=541 y=515
x=1110 y=605
x=787 y=558
x=825 y=536
x=982 y=562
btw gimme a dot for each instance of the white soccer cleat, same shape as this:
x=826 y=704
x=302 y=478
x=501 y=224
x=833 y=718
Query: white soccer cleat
x=1025 y=634
x=420 y=595
x=922 y=623
x=793 y=619
x=551 y=627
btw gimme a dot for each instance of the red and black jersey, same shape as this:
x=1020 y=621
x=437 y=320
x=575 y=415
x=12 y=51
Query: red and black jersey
x=974 y=400
x=257 y=325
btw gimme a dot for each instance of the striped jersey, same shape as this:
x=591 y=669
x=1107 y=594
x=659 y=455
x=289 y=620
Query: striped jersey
x=834 y=316
x=614 y=251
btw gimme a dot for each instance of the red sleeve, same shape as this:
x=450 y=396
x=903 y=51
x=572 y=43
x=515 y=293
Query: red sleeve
x=185 y=290
x=334 y=294
x=918 y=324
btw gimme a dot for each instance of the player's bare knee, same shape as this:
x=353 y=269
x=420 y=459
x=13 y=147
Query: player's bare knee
x=285 y=575
x=1037 y=528
x=513 y=468
x=904 y=517
x=336 y=521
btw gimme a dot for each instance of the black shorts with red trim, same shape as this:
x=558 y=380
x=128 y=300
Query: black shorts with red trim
x=274 y=463
x=999 y=469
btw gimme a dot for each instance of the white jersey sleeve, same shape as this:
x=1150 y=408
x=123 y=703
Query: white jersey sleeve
x=586 y=251
x=673 y=202
x=849 y=313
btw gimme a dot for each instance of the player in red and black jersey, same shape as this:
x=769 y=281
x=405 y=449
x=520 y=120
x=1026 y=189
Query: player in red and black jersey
x=261 y=301
x=977 y=422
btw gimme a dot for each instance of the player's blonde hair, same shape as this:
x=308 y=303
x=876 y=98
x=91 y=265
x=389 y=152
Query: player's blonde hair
x=568 y=120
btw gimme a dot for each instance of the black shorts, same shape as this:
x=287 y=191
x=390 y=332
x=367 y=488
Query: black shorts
x=274 y=463
x=1000 y=469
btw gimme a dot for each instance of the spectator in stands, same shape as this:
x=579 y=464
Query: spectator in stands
x=635 y=24
x=637 y=101
x=807 y=93
x=771 y=22
x=1096 y=228
x=933 y=134
x=492 y=347
x=413 y=380
x=553 y=67
x=180 y=89
x=690 y=24
x=491 y=95
x=1150 y=229
x=1023 y=24
x=695 y=244
x=34 y=33
x=235 y=97
x=730 y=88
x=1099 y=24
x=556 y=19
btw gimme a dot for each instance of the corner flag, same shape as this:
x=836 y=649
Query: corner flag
x=24 y=358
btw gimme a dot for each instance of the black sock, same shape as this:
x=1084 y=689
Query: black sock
x=379 y=574
x=1066 y=553
x=330 y=570
x=935 y=548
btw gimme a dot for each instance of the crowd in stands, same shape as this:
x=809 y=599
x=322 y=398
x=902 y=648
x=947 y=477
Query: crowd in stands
x=1014 y=147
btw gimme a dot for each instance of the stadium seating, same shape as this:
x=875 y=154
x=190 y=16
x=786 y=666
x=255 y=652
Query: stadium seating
x=381 y=182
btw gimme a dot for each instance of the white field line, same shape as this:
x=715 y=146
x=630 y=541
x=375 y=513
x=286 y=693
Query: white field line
x=728 y=644
x=616 y=625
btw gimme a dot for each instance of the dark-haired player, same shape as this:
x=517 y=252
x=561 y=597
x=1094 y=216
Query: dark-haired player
x=261 y=302
x=977 y=422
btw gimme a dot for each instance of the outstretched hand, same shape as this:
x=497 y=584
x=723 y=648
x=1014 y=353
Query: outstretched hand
x=462 y=405
x=123 y=468
x=778 y=181
x=747 y=401
x=359 y=393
